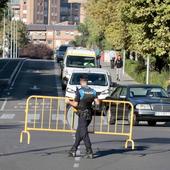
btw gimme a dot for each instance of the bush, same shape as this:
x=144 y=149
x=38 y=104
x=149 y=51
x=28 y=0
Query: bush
x=139 y=75
x=36 y=51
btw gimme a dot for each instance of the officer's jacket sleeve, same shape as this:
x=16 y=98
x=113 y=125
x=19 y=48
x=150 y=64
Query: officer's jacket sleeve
x=95 y=94
x=77 y=97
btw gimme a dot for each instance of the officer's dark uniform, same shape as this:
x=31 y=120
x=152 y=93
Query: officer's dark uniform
x=85 y=97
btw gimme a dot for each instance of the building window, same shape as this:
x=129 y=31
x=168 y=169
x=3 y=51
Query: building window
x=58 y=33
x=49 y=41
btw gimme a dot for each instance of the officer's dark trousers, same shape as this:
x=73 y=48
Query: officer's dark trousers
x=82 y=133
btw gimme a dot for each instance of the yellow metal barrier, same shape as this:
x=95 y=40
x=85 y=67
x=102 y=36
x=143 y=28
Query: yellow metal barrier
x=52 y=114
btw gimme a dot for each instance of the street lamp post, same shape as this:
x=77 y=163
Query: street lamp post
x=4 y=37
x=16 y=40
x=148 y=68
x=11 y=46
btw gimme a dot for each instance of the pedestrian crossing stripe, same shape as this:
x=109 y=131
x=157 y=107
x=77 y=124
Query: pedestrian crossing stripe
x=7 y=116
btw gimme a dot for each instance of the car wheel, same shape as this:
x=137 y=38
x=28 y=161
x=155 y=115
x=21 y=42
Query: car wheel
x=135 y=121
x=106 y=113
x=152 y=123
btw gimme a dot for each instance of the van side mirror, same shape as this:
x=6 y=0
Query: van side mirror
x=113 y=84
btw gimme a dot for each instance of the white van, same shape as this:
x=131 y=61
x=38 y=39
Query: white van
x=76 y=58
x=98 y=79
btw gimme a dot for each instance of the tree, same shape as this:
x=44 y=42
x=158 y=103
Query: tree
x=105 y=16
x=36 y=51
x=149 y=28
x=3 y=5
x=22 y=33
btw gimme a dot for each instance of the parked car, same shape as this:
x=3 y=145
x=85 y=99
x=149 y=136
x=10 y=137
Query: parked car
x=98 y=79
x=76 y=59
x=151 y=103
x=61 y=52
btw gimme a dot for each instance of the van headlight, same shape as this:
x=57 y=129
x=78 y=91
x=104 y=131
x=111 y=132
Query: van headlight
x=143 y=107
x=70 y=90
x=105 y=92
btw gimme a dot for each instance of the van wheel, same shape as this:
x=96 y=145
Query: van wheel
x=152 y=123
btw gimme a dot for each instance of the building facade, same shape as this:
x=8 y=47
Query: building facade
x=15 y=6
x=52 y=35
x=40 y=11
x=69 y=12
x=82 y=6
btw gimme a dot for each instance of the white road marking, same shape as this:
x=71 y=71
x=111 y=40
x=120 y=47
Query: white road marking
x=61 y=118
x=31 y=117
x=78 y=152
x=18 y=73
x=3 y=105
x=77 y=158
x=105 y=120
x=7 y=116
x=76 y=165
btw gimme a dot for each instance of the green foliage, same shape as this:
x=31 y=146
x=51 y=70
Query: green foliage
x=3 y=5
x=106 y=27
x=22 y=33
x=140 y=76
x=149 y=26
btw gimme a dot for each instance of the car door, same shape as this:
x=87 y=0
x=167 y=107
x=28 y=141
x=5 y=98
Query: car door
x=123 y=109
x=113 y=108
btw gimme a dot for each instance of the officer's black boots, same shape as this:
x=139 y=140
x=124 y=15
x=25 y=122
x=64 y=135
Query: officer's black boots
x=72 y=152
x=89 y=154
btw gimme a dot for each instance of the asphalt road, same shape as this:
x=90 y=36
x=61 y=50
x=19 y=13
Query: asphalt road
x=48 y=151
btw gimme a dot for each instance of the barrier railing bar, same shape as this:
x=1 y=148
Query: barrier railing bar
x=123 y=121
x=49 y=124
x=35 y=111
x=116 y=119
x=57 y=114
x=42 y=114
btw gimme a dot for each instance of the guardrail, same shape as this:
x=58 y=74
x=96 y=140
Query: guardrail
x=52 y=114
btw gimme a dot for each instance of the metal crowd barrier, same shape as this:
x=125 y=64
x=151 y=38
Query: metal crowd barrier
x=52 y=114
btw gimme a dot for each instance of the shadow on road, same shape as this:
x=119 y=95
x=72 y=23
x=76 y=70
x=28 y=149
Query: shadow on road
x=11 y=126
x=103 y=153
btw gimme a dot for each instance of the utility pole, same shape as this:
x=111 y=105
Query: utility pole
x=16 y=40
x=4 y=37
x=11 y=47
x=124 y=60
x=148 y=68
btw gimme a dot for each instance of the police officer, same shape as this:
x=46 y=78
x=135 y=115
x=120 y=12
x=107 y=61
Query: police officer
x=85 y=96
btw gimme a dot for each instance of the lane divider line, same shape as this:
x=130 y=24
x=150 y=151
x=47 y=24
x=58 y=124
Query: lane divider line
x=4 y=104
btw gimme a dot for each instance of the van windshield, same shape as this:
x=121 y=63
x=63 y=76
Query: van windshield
x=80 y=61
x=95 y=79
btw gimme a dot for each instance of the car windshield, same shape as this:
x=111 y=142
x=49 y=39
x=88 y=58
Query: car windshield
x=148 y=92
x=80 y=61
x=93 y=79
x=63 y=48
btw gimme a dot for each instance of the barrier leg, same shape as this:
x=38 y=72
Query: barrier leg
x=132 y=143
x=28 y=136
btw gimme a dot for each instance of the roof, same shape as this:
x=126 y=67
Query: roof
x=43 y=27
x=91 y=70
x=140 y=85
x=80 y=52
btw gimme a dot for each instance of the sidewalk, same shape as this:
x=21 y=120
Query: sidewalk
x=126 y=79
